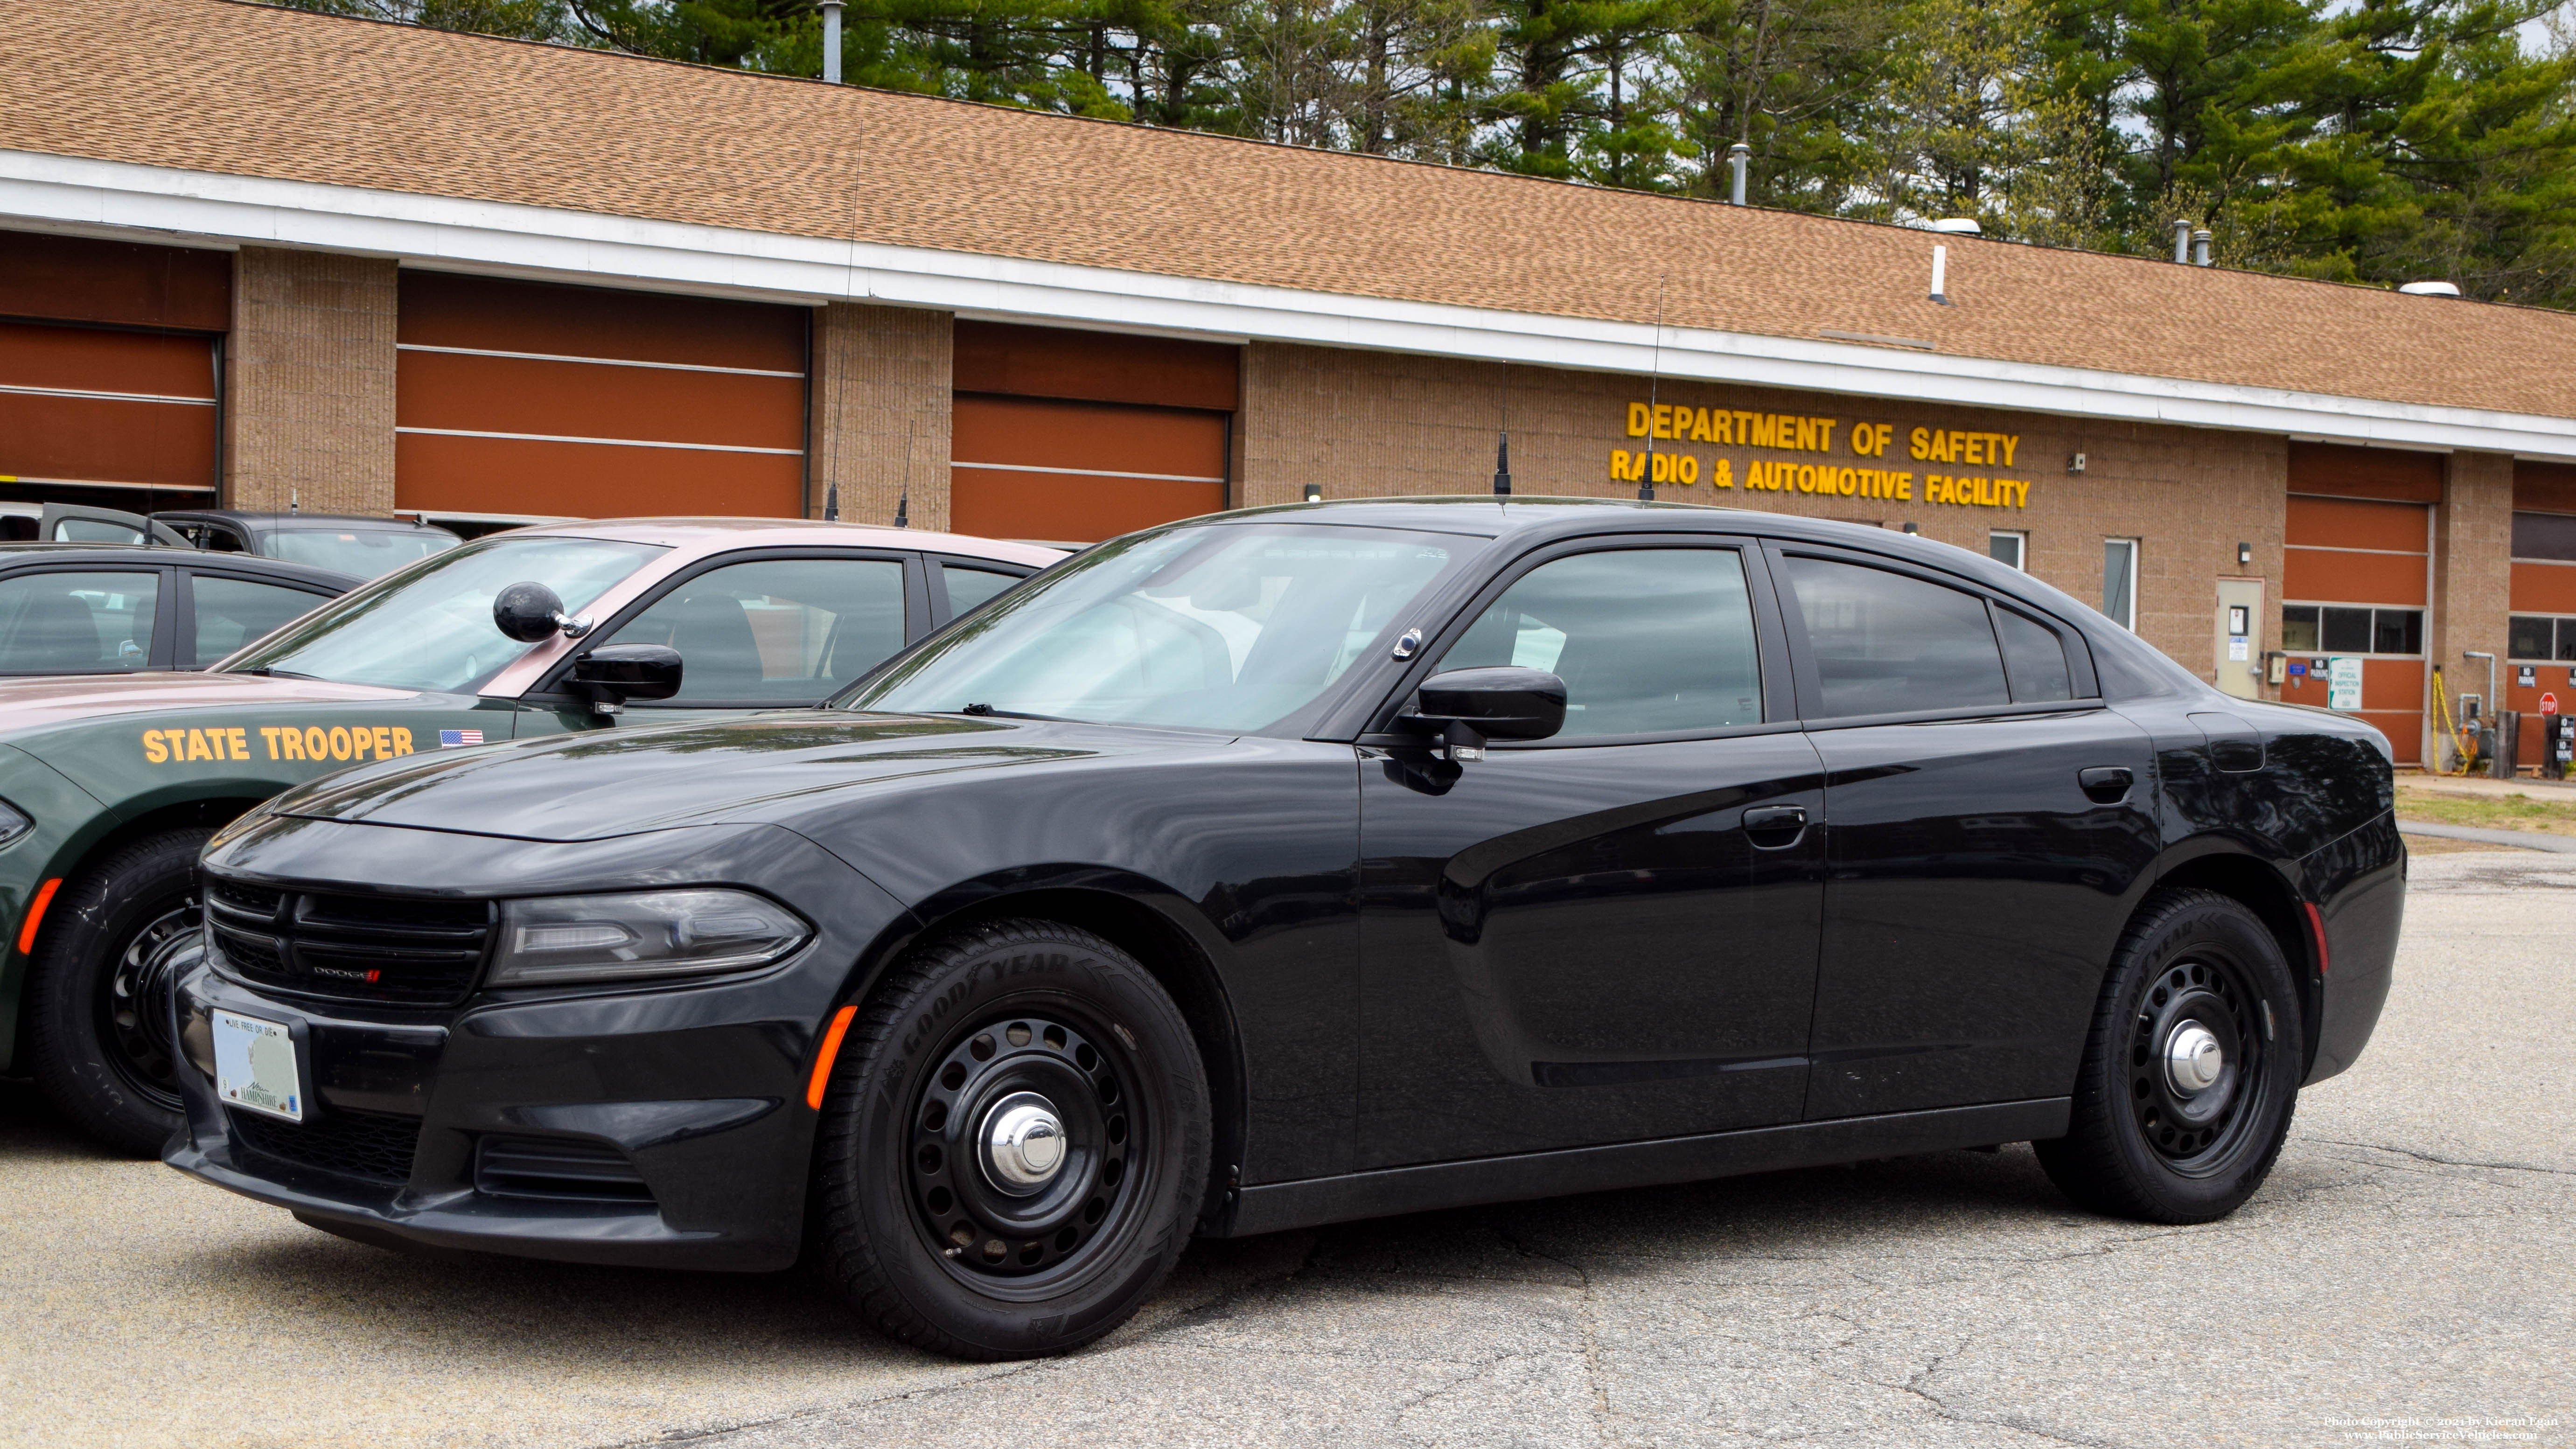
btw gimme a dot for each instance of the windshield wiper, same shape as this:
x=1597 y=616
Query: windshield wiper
x=988 y=710
x=267 y=672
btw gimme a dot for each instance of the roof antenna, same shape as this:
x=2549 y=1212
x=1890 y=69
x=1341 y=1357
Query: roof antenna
x=294 y=501
x=1503 y=441
x=1646 y=483
x=832 y=503
x=903 y=500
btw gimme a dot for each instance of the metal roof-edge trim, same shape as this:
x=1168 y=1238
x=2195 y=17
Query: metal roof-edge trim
x=546 y=243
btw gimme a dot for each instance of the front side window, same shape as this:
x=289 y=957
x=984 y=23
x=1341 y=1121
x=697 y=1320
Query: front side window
x=1887 y=642
x=2120 y=581
x=77 y=623
x=430 y=627
x=1648 y=641
x=1213 y=626
x=233 y=612
x=776 y=631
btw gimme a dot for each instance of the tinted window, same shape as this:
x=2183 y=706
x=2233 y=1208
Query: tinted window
x=365 y=552
x=776 y=630
x=2544 y=535
x=1647 y=640
x=77 y=623
x=969 y=587
x=1884 y=642
x=233 y=612
x=2397 y=631
x=2035 y=658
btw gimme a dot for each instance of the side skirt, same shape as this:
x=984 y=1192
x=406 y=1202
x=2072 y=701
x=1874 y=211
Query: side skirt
x=1277 y=1207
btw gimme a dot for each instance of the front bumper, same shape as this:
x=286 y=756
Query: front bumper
x=686 y=1103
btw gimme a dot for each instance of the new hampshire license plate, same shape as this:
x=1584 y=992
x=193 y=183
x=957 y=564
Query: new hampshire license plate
x=255 y=1066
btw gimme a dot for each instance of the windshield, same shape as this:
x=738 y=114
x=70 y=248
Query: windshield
x=1228 y=627
x=431 y=627
x=365 y=552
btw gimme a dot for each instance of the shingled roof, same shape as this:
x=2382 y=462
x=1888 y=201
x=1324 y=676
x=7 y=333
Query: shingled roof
x=245 y=89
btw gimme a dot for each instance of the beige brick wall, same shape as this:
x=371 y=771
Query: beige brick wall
x=1377 y=424
x=2472 y=572
x=882 y=386
x=309 y=383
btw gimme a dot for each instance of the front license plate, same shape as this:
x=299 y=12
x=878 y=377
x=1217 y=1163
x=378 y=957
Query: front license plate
x=255 y=1066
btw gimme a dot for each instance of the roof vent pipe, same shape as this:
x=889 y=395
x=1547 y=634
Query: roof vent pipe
x=2182 y=241
x=2200 y=248
x=1738 y=156
x=1941 y=275
x=831 y=42
x=2431 y=289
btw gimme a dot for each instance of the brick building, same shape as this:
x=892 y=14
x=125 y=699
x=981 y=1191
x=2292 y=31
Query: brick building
x=268 y=257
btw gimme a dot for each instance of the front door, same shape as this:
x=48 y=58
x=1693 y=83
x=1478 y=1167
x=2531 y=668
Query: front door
x=1609 y=935
x=1992 y=829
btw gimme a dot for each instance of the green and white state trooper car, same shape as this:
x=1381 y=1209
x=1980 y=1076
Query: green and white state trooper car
x=110 y=784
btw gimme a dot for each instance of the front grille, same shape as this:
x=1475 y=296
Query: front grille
x=367 y=1145
x=409 y=950
x=554 y=1167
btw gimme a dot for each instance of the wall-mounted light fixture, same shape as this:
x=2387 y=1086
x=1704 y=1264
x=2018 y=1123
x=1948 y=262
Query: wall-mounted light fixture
x=2244 y=554
x=2075 y=464
x=1910 y=528
x=1314 y=492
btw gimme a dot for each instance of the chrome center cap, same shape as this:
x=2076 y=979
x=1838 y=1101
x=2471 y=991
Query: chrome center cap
x=1023 y=1143
x=2193 y=1059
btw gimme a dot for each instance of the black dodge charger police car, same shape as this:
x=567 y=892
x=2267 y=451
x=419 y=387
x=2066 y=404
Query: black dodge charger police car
x=1300 y=865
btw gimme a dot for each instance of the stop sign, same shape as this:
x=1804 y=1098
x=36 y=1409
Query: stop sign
x=2549 y=704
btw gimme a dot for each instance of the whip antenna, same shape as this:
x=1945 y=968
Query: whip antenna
x=903 y=500
x=1503 y=441
x=1654 y=379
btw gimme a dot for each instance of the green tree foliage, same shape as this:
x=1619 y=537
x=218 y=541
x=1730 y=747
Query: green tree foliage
x=2372 y=141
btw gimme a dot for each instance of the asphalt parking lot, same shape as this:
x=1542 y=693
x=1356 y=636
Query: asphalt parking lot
x=2405 y=1274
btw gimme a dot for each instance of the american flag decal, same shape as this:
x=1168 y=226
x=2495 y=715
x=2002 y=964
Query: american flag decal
x=458 y=739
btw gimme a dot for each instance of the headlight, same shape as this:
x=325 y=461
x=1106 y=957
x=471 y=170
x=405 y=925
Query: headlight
x=13 y=822
x=559 y=939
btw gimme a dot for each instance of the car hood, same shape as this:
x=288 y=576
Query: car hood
x=30 y=706
x=770 y=768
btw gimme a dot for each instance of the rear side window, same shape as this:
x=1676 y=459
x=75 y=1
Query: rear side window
x=1648 y=641
x=2035 y=658
x=1886 y=642
x=968 y=587
x=77 y=623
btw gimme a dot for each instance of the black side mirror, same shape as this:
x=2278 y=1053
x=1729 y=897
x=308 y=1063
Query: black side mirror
x=1501 y=702
x=531 y=613
x=615 y=673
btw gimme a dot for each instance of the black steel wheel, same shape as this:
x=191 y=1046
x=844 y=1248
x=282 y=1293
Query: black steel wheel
x=2191 y=1071
x=1013 y=1145
x=113 y=941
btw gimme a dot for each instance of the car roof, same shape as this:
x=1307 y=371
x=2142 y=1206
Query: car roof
x=266 y=520
x=719 y=534
x=14 y=554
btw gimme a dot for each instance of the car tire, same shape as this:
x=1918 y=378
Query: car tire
x=99 y=1033
x=953 y=1242
x=2191 y=1069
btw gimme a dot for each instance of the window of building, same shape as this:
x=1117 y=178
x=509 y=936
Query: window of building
x=2550 y=536
x=2011 y=548
x=2351 y=629
x=2120 y=581
x=2542 y=638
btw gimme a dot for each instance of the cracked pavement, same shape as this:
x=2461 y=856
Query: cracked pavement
x=2411 y=1258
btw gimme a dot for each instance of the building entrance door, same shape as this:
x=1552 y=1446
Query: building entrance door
x=2240 y=637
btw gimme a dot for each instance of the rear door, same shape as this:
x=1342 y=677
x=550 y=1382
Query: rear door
x=1990 y=829
x=1609 y=935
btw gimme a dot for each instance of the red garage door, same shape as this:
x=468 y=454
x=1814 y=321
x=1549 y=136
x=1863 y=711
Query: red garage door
x=1075 y=437
x=2356 y=578
x=525 y=398
x=110 y=413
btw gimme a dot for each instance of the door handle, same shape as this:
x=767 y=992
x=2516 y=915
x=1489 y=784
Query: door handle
x=2105 y=784
x=1782 y=824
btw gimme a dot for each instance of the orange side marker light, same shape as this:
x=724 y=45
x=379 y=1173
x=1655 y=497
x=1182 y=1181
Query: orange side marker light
x=36 y=916
x=823 y=1061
